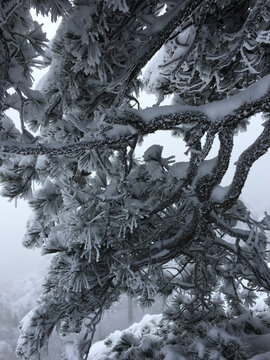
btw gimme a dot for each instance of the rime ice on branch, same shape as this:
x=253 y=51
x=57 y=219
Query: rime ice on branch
x=118 y=225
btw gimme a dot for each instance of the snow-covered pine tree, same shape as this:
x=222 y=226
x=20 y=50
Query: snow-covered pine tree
x=117 y=225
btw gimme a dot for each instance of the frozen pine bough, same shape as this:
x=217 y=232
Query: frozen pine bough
x=244 y=337
x=144 y=227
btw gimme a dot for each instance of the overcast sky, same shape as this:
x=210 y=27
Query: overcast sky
x=16 y=260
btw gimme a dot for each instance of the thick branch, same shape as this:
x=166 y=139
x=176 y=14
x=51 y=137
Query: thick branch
x=255 y=98
x=228 y=112
x=244 y=163
x=207 y=183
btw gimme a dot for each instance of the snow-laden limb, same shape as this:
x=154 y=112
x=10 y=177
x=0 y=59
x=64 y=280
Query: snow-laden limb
x=153 y=337
x=132 y=123
x=158 y=32
x=192 y=75
x=38 y=324
x=215 y=111
x=259 y=147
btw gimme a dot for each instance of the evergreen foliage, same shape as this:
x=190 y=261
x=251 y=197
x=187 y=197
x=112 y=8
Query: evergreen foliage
x=155 y=338
x=115 y=224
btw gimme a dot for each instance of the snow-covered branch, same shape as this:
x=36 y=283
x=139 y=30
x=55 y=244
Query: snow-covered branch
x=243 y=166
x=245 y=103
x=131 y=123
x=160 y=30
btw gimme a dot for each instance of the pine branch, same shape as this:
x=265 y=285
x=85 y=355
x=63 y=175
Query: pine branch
x=230 y=113
x=243 y=165
x=175 y=17
x=164 y=250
